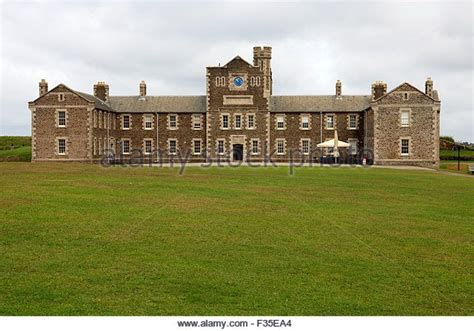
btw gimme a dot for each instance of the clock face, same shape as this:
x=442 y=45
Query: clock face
x=238 y=81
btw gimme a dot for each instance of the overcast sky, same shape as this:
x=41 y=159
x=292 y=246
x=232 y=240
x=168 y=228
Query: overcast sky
x=169 y=45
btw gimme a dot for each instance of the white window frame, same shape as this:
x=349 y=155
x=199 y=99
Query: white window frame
x=129 y=145
x=356 y=117
x=408 y=146
x=58 y=112
x=196 y=122
x=280 y=119
x=251 y=115
x=333 y=122
x=147 y=119
x=239 y=116
x=61 y=97
x=218 y=141
x=58 y=140
x=406 y=111
x=222 y=121
x=199 y=141
x=252 y=146
x=353 y=151
x=123 y=121
x=145 y=141
x=307 y=122
x=170 y=152
x=175 y=126
x=277 y=146
x=303 y=141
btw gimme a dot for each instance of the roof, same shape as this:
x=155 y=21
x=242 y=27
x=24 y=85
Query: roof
x=319 y=103
x=413 y=87
x=161 y=104
x=99 y=104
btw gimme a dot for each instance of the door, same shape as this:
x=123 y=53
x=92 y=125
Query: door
x=238 y=152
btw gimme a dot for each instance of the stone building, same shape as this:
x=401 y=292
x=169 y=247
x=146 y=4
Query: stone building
x=238 y=119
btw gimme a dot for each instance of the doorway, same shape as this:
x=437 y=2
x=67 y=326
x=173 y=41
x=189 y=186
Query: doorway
x=237 y=152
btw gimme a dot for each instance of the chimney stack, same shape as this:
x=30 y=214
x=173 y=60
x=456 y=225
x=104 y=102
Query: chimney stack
x=429 y=87
x=43 y=87
x=142 y=89
x=101 y=91
x=379 y=88
x=338 y=88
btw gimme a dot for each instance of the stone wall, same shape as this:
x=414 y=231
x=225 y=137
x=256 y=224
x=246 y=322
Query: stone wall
x=422 y=132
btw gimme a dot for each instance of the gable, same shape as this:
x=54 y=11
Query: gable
x=396 y=94
x=237 y=62
x=51 y=97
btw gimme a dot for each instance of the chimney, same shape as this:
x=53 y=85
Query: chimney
x=338 y=88
x=379 y=88
x=429 y=87
x=142 y=89
x=101 y=91
x=262 y=58
x=43 y=87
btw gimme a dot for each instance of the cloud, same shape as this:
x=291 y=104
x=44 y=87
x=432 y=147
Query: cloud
x=170 y=44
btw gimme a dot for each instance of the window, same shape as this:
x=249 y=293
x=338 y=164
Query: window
x=196 y=121
x=61 y=97
x=252 y=81
x=405 y=146
x=305 y=122
x=258 y=81
x=406 y=96
x=225 y=121
x=126 y=146
x=353 y=146
x=125 y=122
x=405 y=118
x=352 y=121
x=172 y=146
x=280 y=122
x=329 y=121
x=220 y=81
x=280 y=146
x=238 y=121
x=250 y=121
x=61 y=146
x=197 y=146
x=172 y=121
x=148 y=119
x=148 y=146
x=95 y=118
x=255 y=146
x=305 y=146
x=61 y=118
x=100 y=119
x=220 y=146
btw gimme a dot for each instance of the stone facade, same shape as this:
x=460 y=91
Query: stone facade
x=238 y=119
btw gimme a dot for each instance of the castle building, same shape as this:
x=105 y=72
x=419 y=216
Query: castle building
x=238 y=119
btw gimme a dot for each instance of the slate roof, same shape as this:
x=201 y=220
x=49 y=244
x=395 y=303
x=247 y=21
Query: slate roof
x=161 y=104
x=319 y=103
x=99 y=104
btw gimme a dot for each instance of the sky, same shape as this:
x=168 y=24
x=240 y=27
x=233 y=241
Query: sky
x=169 y=45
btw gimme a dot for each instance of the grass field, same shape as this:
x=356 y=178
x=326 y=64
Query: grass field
x=15 y=148
x=79 y=239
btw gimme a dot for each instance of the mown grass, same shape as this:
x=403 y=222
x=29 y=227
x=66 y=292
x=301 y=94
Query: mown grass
x=79 y=239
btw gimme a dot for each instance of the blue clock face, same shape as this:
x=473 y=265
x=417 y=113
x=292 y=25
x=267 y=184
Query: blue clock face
x=238 y=81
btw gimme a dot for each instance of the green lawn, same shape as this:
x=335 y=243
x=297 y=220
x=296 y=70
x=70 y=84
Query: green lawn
x=15 y=148
x=78 y=239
